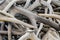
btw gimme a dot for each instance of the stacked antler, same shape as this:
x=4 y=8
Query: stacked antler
x=16 y=16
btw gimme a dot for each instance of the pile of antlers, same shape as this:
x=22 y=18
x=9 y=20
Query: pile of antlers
x=16 y=16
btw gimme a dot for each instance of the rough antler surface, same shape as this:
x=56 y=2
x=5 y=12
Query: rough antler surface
x=17 y=16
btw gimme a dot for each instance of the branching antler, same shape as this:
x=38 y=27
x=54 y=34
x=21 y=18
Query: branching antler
x=21 y=15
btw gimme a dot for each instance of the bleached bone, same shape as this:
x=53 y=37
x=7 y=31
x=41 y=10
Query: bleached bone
x=48 y=5
x=41 y=26
x=9 y=32
x=9 y=5
x=34 y=5
x=56 y=2
x=29 y=35
x=32 y=15
x=51 y=16
x=51 y=35
x=27 y=3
